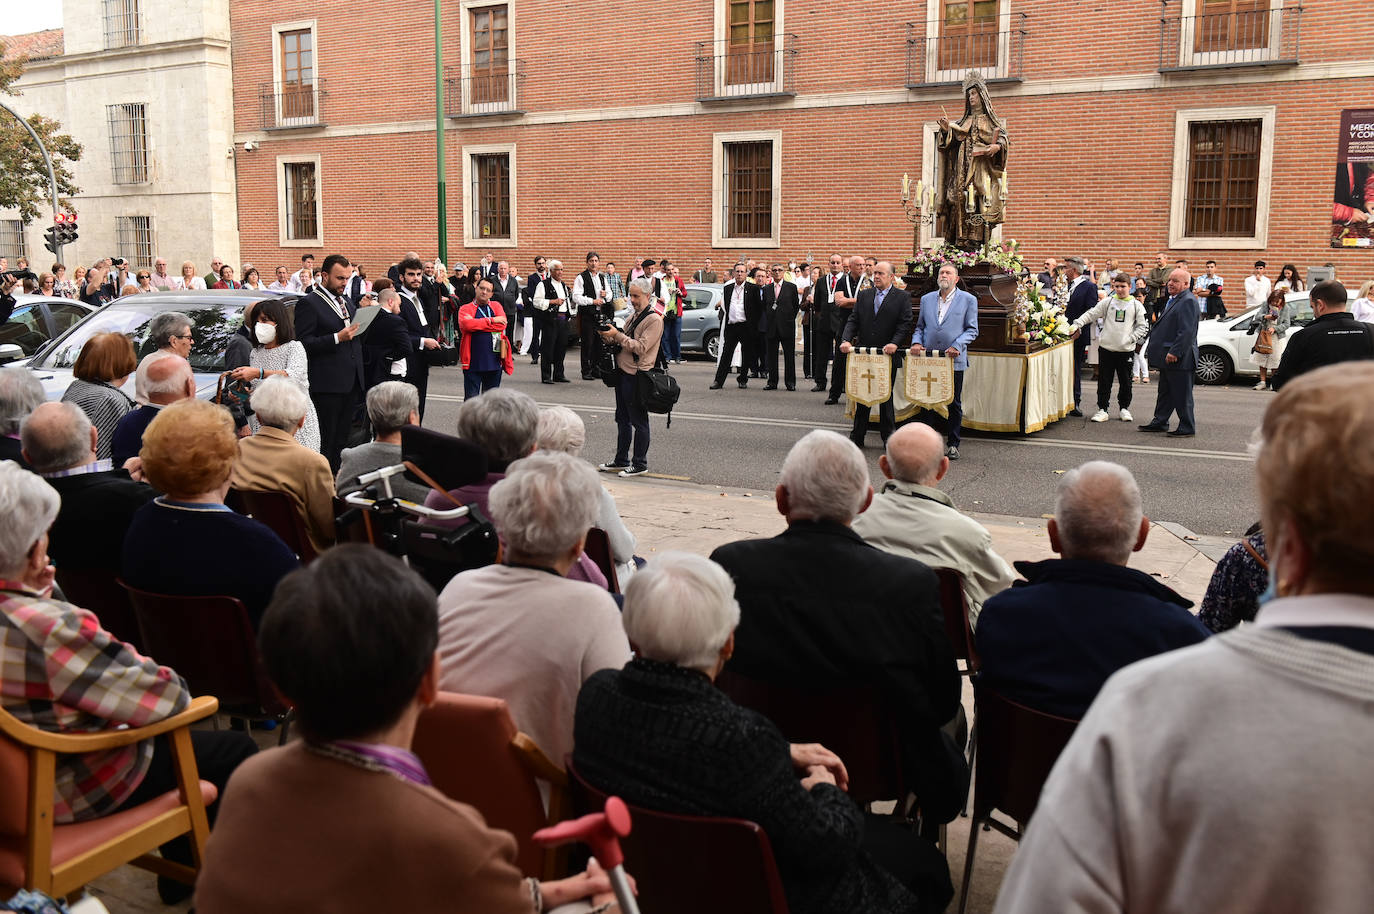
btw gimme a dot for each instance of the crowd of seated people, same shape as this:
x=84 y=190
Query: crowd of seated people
x=1266 y=721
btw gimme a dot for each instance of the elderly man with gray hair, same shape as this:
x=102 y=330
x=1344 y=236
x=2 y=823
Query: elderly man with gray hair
x=164 y=378
x=522 y=631
x=912 y=517
x=170 y=332
x=1052 y=640
x=823 y=608
x=20 y=394
x=274 y=461
x=391 y=406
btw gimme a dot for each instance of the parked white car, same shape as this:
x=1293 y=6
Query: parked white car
x=1223 y=347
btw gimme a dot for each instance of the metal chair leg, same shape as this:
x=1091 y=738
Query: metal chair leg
x=972 y=758
x=968 y=864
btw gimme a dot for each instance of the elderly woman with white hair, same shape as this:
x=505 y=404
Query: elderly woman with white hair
x=561 y=429
x=553 y=304
x=391 y=406
x=521 y=630
x=273 y=460
x=20 y=394
x=639 y=735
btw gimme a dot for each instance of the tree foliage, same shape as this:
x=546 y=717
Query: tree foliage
x=23 y=176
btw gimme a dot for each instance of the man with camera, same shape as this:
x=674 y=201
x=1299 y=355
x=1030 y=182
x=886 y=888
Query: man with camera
x=638 y=350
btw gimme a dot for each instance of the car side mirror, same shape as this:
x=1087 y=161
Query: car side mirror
x=10 y=352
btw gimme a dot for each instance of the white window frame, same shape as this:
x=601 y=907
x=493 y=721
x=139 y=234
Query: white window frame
x=277 y=29
x=283 y=215
x=469 y=241
x=722 y=35
x=930 y=160
x=1266 y=115
x=1187 y=57
x=465 y=8
x=935 y=22
x=718 y=237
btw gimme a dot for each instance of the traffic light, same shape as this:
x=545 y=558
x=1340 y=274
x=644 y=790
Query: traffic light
x=50 y=236
x=66 y=228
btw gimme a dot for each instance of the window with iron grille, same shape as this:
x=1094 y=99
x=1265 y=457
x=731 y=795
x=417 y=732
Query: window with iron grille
x=748 y=190
x=491 y=196
x=1223 y=178
x=123 y=23
x=302 y=205
x=128 y=142
x=134 y=239
x=12 y=239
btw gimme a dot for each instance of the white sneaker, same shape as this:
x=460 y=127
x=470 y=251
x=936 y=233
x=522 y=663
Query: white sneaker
x=1099 y=416
x=1126 y=416
x=1260 y=386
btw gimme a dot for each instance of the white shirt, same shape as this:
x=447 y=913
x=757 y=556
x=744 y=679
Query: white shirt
x=1363 y=309
x=275 y=286
x=945 y=302
x=1257 y=289
x=736 y=315
x=583 y=298
x=541 y=301
x=414 y=302
x=299 y=280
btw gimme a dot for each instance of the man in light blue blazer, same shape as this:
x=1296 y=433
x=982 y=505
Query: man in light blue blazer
x=948 y=324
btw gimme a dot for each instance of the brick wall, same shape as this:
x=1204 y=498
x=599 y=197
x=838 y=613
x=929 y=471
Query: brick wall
x=1090 y=170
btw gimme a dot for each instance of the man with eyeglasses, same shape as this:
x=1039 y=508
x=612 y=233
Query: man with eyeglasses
x=532 y=327
x=781 y=301
x=160 y=279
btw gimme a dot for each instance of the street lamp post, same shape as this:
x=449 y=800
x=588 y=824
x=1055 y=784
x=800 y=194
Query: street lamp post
x=439 y=131
x=47 y=160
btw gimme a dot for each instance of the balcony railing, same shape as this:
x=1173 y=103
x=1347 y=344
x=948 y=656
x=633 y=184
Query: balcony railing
x=1243 y=38
x=758 y=69
x=937 y=57
x=470 y=92
x=287 y=106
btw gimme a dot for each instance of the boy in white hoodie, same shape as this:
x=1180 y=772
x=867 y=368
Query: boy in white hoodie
x=1124 y=326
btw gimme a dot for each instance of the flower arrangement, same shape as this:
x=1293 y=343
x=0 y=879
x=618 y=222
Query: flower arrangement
x=1041 y=318
x=1005 y=256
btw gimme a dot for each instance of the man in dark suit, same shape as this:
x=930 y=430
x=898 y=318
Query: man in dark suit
x=823 y=330
x=841 y=306
x=421 y=323
x=1082 y=298
x=386 y=344
x=821 y=609
x=98 y=502
x=324 y=325
x=880 y=319
x=741 y=308
x=531 y=345
x=781 y=301
x=1172 y=351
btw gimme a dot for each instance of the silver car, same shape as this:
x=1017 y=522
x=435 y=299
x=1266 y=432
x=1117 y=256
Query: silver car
x=36 y=319
x=700 y=319
x=1224 y=346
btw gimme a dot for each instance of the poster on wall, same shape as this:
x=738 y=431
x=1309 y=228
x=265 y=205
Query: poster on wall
x=1352 y=211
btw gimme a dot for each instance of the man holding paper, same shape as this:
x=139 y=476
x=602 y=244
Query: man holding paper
x=947 y=324
x=324 y=326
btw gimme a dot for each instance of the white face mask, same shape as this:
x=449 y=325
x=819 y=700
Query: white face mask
x=266 y=333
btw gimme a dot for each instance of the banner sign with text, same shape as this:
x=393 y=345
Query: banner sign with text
x=868 y=376
x=930 y=382
x=1352 y=212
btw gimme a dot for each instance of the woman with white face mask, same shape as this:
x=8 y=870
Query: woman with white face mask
x=276 y=351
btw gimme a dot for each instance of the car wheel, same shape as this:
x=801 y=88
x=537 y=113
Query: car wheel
x=1213 y=366
x=712 y=344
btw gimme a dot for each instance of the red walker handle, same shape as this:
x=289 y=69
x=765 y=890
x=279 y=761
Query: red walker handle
x=601 y=831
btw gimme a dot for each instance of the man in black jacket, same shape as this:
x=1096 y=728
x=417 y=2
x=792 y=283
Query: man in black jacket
x=823 y=319
x=880 y=319
x=821 y=609
x=781 y=301
x=1335 y=336
x=741 y=308
x=386 y=344
x=422 y=324
x=1082 y=298
x=324 y=325
x=841 y=307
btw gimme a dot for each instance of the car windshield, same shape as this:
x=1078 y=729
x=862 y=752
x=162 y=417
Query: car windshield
x=211 y=325
x=24 y=329
x=698 y=298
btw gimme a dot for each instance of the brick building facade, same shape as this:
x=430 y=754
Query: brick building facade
x=782 y=128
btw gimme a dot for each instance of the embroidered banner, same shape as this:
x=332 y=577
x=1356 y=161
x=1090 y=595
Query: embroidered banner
x=868 y=377
x=930 y=382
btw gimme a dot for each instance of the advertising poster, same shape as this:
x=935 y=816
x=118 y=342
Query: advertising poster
x=1352 y=211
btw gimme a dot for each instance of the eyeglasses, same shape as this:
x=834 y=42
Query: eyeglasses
x=182 y=336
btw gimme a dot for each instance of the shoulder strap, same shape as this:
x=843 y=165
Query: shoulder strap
x=1254 y=553
x=429 y=481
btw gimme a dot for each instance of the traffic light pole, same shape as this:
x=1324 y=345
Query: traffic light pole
x=47 y=160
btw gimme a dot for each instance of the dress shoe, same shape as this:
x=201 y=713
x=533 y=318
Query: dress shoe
x=534 y=360
x=1153 y=428
x=952 y=452
x=818 y=388
x=561 y=381
x=770 y=387
x=545 y=381
x=831 y=401
x=743 y=383
x=1075 y=411
x=791 y=387
x=717 y=386
x=589 y=377
x=1178 y=434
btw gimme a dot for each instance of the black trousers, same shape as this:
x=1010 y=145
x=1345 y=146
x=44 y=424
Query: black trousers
x=732 y=335
x=837 y=378
x=586 y=319
x=417 y=373
x=335 y=412
x=1118 y=364
x=1175 y=395
x=807 y=335
x=784 y=337
x=631 y=422
x=955 y=423
x=887 y=422
x=553 y=344
x=760 y=353
x=218 y=753
x=822 y=346
x=536 y=328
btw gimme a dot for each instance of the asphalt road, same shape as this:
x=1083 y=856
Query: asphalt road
x=737 y=439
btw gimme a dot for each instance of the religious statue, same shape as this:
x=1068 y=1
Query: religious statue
x=973 y=162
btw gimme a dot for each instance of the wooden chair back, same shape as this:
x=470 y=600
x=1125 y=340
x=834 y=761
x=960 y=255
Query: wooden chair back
x=98 y=590
x=279 y=512
x=1017 y=748
x=598 y=549
x=474 y=754
x=668 y=854
x=954 y=606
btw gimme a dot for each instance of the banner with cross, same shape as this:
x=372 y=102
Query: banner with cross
x=930 y=382
x=868 y=377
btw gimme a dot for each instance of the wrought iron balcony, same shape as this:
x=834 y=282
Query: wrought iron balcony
x=758 y=69
x=937 y=56
x=287 y=106
x=472 y=92
x=1241 y=38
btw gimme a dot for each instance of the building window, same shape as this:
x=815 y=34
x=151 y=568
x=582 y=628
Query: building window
x=747 y=189
x=1223 y=164
x=1229 y=25
x=122 y=23
x=12 y=239
x=490 y=60
x=968 y=34
x=299 y=216
x=749 y=48
x=128 y=143
x=134 y=239
x=297 y=74
x=491 y=195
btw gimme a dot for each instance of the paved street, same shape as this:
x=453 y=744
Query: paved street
x=737 y=438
